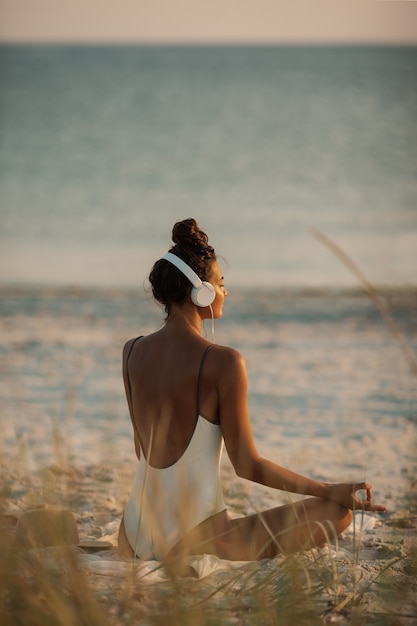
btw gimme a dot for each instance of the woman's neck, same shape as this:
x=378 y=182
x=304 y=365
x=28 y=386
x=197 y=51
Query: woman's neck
x=184 y=318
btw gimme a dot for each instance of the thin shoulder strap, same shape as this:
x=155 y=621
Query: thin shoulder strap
x=200 y=373
x=135 y=428
x=127 y=369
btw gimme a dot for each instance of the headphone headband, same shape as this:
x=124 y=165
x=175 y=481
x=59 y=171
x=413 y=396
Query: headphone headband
x=184 y=268
x=202 y=293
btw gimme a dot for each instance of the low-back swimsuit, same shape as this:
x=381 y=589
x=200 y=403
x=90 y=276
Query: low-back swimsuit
x=166 y=503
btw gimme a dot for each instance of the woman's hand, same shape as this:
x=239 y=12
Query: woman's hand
x=346 y=495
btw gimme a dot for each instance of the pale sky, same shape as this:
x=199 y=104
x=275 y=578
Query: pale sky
x=211 y=21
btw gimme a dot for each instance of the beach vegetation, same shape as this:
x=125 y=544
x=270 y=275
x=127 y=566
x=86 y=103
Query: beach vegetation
x=52 y=584
x=361 y=579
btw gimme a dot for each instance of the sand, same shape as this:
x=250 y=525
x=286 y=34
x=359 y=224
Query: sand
x=372 y=571
x=333 y=399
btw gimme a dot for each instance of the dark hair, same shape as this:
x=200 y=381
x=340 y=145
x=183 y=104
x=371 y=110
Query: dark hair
x=169 y=285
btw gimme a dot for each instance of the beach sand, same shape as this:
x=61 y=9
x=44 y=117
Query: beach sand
x=331 y=397
x=370 y=575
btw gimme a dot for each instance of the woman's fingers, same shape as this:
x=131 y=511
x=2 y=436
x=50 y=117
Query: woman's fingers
x=377 y=508
x=367 y=494
x=366 y=503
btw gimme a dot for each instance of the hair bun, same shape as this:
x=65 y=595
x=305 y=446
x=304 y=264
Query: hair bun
x=187 y=234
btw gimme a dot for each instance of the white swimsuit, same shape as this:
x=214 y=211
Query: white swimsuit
x=165 y=504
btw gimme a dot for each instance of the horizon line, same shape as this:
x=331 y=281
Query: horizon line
x=348 y=42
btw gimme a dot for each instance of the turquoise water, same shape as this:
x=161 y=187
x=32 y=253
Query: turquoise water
x=103 y=148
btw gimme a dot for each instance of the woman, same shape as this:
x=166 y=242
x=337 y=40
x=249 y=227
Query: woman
x=186 y=396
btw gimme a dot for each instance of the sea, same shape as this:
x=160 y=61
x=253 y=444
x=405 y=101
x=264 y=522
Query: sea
x=104 y=148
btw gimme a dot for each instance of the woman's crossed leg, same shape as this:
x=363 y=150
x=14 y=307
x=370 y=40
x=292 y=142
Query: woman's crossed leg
x=290 y=528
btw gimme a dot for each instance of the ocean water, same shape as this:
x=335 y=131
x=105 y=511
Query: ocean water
x=103 y=148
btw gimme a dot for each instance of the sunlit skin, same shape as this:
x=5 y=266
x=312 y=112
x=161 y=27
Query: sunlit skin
x=162 y=362
x=217 y=280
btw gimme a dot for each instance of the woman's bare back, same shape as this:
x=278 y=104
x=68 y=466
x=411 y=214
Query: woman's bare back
x=162 y=374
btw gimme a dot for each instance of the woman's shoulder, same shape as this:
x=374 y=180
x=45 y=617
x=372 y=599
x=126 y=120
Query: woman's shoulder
x=228 y=369
x=128 y=347
x=130 y=342
x=227 y=357
x=226 y=350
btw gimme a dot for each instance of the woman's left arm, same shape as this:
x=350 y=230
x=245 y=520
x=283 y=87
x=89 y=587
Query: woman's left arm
x=240 y=445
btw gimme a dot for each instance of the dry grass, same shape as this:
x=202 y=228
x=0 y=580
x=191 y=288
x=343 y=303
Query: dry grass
x=52 y=587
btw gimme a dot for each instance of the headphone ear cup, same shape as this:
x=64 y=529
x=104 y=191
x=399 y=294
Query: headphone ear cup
x=203 y=295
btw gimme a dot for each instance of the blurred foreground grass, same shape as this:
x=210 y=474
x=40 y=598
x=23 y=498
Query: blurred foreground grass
x=52 y=587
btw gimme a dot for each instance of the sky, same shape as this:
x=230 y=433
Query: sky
x=209 y=21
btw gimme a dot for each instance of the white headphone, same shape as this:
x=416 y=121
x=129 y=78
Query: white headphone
x=202 y=293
